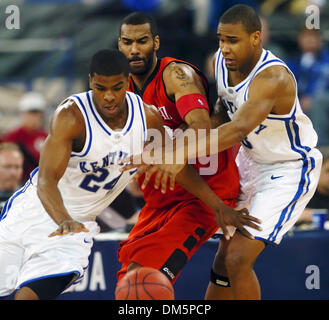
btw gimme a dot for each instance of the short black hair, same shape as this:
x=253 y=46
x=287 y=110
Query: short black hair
x=243 y=14
x=109 y=63
x=137 y=18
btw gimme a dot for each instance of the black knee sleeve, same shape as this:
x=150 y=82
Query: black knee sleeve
x=50 y=288
x=219 y=280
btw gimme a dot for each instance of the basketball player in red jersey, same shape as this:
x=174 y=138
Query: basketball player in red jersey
x=171 y=226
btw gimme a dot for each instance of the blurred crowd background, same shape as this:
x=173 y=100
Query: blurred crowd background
x=46 y=59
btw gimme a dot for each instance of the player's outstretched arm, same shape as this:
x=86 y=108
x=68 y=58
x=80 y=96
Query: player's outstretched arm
x=225 y=216
x=67 y=124
x=269 y=92
x=191 y=181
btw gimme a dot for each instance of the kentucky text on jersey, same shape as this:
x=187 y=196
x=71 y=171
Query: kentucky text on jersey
x=110 y=159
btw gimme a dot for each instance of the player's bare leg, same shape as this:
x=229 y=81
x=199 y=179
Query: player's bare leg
x=241 y=255
x=26 y=293
x=219 y=292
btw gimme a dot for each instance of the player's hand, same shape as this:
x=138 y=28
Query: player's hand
x=226 y=216
x=140 y=161
x=165 y=173
x=149 y=164
x=69 y=226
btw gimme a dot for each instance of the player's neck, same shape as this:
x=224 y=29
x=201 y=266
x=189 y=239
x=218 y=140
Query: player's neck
x=140 y=79
x=246 y=68
x=118 y=122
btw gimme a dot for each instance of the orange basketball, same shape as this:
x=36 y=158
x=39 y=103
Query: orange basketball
x=144 y=284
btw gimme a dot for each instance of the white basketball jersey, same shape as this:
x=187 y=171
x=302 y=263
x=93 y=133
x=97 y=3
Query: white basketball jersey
x=92 y=179
x=279 y=137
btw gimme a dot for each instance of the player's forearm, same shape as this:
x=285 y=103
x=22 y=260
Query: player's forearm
x=191 y=181
x=216 y=140
x=52 y=201
x=219 y=115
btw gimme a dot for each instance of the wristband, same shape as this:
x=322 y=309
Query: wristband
x=190 y=102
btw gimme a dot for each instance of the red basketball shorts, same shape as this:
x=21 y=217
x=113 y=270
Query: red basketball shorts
x=166 y=238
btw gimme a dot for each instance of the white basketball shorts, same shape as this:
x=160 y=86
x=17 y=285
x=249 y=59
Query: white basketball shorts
x=277 y=194
x=26 y=251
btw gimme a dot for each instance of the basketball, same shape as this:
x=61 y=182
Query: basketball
x=144 y=284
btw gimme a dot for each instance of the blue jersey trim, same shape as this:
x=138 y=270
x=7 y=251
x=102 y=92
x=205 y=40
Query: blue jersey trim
x=216 y=65
x=266 y=241
x=308 y=176
x=291 y=205
x=223 y=73
x=237 y=90
x=10 y=201
x=265 y=55
x=132 y=115
x=33 y=173
x=51 y=276
x=3 y=211
x=298 y=143
x=285 y=117
x=89 y=128
x=305 y=174
x=265 y=63
x=143 y=118
x=255 y=73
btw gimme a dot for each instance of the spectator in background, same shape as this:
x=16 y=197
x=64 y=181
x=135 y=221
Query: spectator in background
x=311 y=69
x=320 y=200
x=11 y=170
x=267 y=41
x=30 y=135
x=142 y=5
x=217 y=8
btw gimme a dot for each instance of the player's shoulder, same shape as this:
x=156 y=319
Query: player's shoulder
x=278 y=73
x=68 y=116
x=178 y=69
x=150 y=110
x=68 y=109
x=153 y=116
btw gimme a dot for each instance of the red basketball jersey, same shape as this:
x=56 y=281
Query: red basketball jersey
x=225 y=182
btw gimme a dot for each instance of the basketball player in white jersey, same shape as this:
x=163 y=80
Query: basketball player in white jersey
x=278 y=163
x=47 y=227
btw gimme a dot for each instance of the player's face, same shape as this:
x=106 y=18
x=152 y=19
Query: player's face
x=11 y=170
x=109 y=94
x=138 y=45
x=237 y=45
